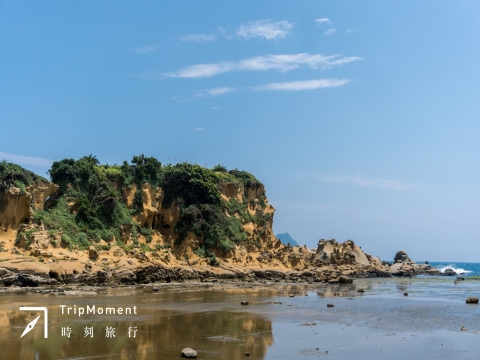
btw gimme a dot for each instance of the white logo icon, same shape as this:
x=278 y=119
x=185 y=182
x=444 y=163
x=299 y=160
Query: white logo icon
x=31 y=325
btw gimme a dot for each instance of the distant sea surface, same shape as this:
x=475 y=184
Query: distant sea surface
x=461 y=268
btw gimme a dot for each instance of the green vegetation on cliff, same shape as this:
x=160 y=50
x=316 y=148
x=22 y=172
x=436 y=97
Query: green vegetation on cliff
x=14 y=175
x=90 y=204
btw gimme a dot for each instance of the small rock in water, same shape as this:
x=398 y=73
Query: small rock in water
x=405 y=294
x=330 y=305
x=449 y=272
x=247 y=354
x=463 y=328
x=360 y=290
x=277 y=302
x=291 y=295
x=155 y=289
x=245 y=303
x=472 y=300
x=189 y=353
x=460 y=278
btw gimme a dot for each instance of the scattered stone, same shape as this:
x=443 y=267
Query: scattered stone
x=345 y=280
x=309 y=324
x=405 y=294
x=189 y=353
x=155 y=289
x=330 y=305
x=463 y=329
x=291 y=295
x=92 y=253
x=247 y=354
x=245 y=303
x=360 y=290
x=277 y=302
x=460 y=278
x=472 y=300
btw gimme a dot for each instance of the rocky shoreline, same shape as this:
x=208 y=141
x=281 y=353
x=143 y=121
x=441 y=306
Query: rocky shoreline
x=30 y=274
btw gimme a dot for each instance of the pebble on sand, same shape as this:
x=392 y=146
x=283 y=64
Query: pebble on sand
x=189 y=353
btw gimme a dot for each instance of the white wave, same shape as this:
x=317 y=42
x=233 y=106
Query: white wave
x=459 y=271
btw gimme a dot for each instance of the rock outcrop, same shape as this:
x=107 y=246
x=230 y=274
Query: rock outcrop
x=16 y=204
x=401 y=256
x=331 y=252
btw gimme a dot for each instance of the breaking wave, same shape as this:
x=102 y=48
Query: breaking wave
x=459 y=270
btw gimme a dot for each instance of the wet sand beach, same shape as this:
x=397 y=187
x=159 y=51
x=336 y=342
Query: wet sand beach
x=380 y=322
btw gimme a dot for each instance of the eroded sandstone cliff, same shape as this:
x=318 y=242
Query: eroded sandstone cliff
x=98 y=226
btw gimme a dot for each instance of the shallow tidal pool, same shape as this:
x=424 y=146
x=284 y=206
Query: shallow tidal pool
x=380 y=322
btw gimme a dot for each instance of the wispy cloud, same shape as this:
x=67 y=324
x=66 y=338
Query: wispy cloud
x=330 y=32
x=260 y=63
x=145 y=49
x=27 y=160
x=322 y=20
x=214 y=92
x=304 y=85
x=281 y=86
x=265 y=29
x=198 y=129
x=379 y=183
x=198 y=38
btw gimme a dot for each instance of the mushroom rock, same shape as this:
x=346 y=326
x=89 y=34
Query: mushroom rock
x=402 y=257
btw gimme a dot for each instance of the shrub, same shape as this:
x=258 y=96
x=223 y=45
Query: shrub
x=138 y=199
x=220 y=168
x=14 y=175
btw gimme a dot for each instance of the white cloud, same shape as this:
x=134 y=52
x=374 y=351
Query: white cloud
x=198 y=129
x=28 y=160
x=145 y=49
x=265 y=28
x=379 y=183
x=214 y=92
x=322 y=20
x=259 y=63
x=330 y=32
x=303 y=85
x=198 y=38
x=226 y=32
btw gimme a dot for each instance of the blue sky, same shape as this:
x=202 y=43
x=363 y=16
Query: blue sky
x=361 y=118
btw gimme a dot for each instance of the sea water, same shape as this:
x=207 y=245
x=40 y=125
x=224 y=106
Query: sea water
x=461 y=268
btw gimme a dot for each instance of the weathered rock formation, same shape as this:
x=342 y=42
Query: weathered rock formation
x=16 y=205
x=401 y=256
x=403 y=266
x=331 y=252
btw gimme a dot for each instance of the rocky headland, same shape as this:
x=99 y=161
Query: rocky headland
x=141 y=222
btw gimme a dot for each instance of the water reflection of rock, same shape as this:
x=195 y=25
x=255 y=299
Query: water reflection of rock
x=343 y=290
x=220 y=334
